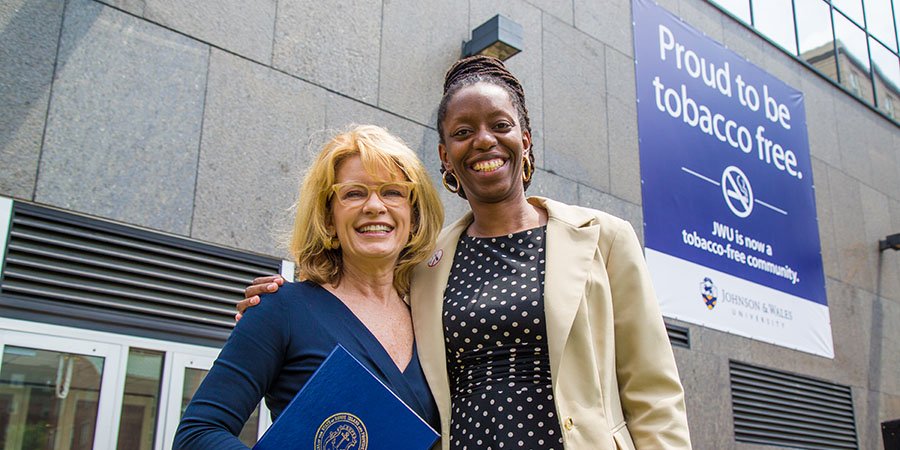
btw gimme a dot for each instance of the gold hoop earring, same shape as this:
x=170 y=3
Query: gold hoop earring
x=528 y=170
x=447 y=184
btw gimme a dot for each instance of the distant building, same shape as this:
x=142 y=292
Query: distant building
x=855 y=75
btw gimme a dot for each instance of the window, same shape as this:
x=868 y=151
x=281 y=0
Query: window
x=852 y=8
x=143 y=380
x=852 y=42
x=740 y=8
x=880 y=23
x=852 y=57
x=60 y=387
x=887 y=77
x=853 y=82
x=775 y=20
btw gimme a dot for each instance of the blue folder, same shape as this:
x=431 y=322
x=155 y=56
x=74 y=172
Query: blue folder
x=344 y=406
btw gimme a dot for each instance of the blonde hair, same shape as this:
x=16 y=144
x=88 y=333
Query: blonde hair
x=378 y=150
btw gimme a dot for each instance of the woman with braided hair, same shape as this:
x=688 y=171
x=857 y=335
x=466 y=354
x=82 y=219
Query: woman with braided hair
x=536 y=317
x=536 y=321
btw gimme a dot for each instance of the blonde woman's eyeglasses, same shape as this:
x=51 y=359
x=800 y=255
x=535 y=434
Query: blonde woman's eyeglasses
x=392 y=193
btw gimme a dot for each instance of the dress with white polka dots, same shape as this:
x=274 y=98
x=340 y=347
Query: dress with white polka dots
x=497 y=356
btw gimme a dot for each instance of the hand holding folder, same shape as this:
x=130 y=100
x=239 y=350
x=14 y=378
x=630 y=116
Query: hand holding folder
x=343 y=406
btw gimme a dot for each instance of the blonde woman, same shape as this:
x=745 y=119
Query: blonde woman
x=367 y=213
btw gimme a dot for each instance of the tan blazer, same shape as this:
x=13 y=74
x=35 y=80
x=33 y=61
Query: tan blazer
x=614 y=378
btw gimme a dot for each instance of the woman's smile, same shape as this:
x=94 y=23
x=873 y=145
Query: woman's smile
x=377 y=229
x=488 y=166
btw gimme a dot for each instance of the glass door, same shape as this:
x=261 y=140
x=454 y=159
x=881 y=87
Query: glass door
x=138 y=421
x=55 y=393
x=188 y=371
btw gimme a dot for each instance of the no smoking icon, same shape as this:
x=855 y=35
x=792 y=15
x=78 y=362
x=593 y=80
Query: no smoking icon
x=737 y=191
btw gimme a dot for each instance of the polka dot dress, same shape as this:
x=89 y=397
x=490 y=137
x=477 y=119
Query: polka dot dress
x=497 y=355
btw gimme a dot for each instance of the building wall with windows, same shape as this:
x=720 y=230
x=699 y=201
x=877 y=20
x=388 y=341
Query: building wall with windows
x=195 y=120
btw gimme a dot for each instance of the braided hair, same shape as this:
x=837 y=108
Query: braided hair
x=480 y=68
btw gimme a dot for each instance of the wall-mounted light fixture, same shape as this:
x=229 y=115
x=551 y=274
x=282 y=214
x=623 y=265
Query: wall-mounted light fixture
x=499 y=37
x=892 y=241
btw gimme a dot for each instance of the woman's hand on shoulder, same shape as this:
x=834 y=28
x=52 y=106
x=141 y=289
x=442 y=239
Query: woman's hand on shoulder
x=260 y=285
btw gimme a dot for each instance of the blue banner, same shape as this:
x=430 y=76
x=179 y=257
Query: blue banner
x=727 y=188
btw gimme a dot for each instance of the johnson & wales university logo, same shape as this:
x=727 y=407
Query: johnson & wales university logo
x=709 y=292
x=342 y=431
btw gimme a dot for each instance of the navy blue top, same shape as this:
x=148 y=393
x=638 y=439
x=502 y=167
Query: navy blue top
x=273 y=351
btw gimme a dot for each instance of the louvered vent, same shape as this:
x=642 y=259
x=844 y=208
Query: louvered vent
x=783 y=409
x=679 y=336
x=65 y=264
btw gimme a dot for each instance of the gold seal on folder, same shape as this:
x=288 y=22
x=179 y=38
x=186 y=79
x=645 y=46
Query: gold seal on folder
x=342 y=431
